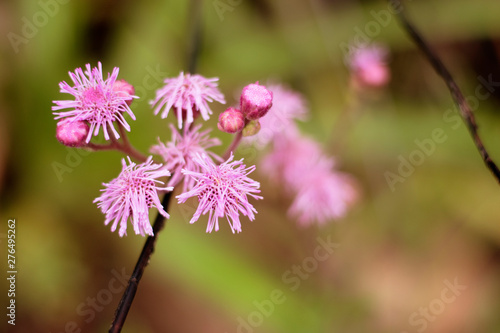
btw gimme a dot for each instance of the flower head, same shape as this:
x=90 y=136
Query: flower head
x=222 y=190
x=180 y=151
x=288 y=106
x=132 y=194
x=368 y=64
x=189 y=95
x=96 y=101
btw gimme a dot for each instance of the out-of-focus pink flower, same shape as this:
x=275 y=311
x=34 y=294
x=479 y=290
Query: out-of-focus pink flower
x=255 y=101
x=231 y=121
x=324 y=195
x=132 y=194
x=291 y=158
x=368 y=65
x=72 y=133
x=222 y=191
x=179 y=153
x=288 y=106
x=188 y=95
x=96 y=101
x=321 y=193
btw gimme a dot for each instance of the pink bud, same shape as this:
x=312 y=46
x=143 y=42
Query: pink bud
x=124 y=89
x=255 y=101
x=72 y=133
x=231 y=121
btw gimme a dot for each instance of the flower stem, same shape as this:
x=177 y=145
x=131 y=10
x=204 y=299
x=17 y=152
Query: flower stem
x=142 y=262
x=127 y=148
x=233 y=146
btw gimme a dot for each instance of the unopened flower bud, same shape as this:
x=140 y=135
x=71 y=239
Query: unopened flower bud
x=255 y=101
x=231 y=121
x=252 y=128
x=124 y=89
x=72 y=133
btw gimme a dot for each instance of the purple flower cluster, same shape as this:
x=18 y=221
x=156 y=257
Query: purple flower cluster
x=223 y=188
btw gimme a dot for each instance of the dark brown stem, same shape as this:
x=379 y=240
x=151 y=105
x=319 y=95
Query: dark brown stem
x=140 y=266
x=456 y=93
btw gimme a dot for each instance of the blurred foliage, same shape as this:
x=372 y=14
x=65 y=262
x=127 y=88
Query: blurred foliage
x=396 y=247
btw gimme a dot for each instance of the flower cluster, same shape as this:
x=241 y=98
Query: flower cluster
x=223 y=187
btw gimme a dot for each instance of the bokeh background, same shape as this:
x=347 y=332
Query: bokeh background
x=396 y=248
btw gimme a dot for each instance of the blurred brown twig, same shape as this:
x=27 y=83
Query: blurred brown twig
x=457 y=95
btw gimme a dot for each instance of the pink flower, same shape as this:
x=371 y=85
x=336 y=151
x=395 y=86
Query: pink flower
x=179 y=153
x=324 y=195
x=320 y=192
x=222 y=190
x=292 y=157
x=96 y=101
x=368 y=64
x=288 y=106
x=132 y=194
x=189 y=95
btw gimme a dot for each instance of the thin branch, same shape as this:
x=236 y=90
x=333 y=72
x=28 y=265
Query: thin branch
x=142 y=262
x=456 y=93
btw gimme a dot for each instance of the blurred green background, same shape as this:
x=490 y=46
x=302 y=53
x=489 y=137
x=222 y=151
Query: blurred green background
x=396 y=248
